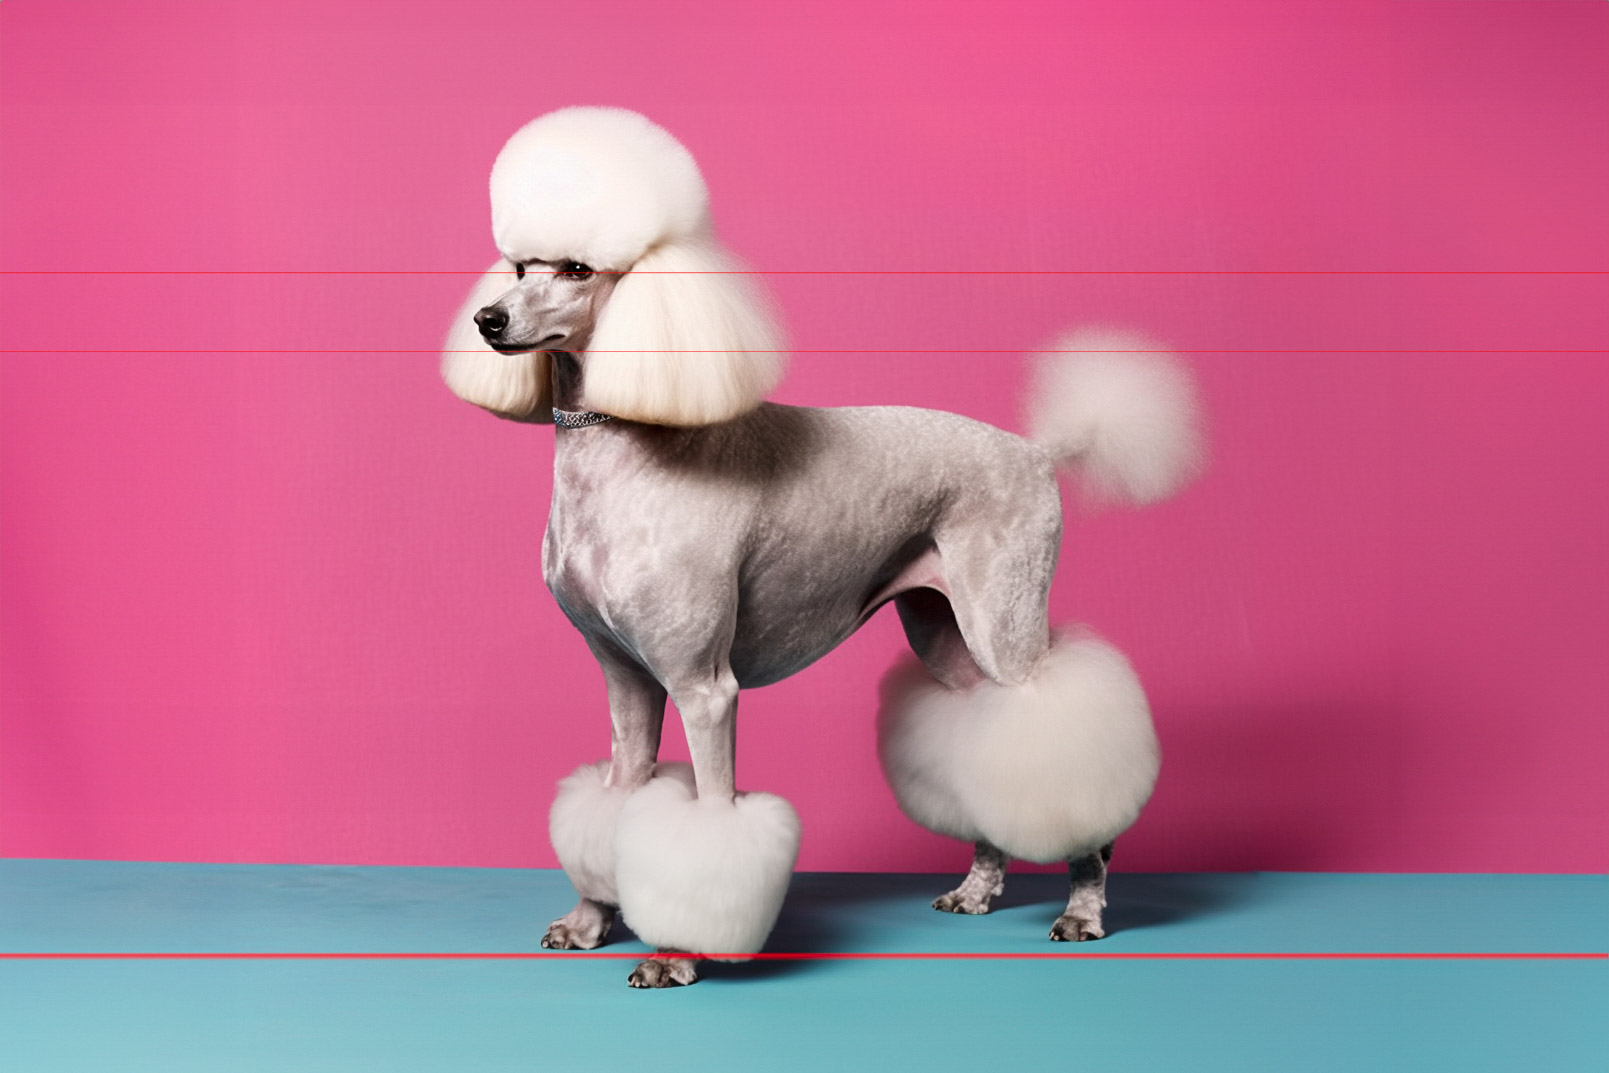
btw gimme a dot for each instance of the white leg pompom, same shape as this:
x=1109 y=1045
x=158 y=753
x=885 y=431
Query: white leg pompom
x=1048 y=770
x=582 y=822
x=700 y=875
x=918 y=730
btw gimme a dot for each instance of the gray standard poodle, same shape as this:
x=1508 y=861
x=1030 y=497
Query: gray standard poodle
x=704 y=540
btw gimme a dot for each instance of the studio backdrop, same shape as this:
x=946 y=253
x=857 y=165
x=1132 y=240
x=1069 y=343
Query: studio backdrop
x=268 y=592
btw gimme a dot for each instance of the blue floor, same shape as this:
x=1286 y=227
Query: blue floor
x=574 y=1012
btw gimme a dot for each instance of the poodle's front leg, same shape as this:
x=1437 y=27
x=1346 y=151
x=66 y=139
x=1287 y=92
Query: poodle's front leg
x=1081 y=919
x=636 y=719
x=703 y=868
x=985 y=881
x=709 y=716
x=584 y=818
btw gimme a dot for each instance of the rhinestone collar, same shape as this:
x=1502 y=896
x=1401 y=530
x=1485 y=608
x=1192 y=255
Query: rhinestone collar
x=581 y=419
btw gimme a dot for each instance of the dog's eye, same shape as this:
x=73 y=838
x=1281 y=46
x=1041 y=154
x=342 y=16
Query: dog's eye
x=519 y=270
x=575 y=270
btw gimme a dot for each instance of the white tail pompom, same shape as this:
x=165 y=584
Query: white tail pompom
x=1121 y=410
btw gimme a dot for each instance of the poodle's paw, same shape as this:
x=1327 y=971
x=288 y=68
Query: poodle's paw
x=964 y=900
x=985 y=882
x=560 y=936
x=585 y=927
x=1076 y=929
x=664 y=972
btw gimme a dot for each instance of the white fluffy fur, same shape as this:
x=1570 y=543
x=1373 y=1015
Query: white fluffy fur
x=686 y=338
x=683 y=340
x=704 y=876
x=919 y=755
x=1049 y=770
x=582 y=826
x=517 y=386
x=1123 y=411
x=596 y=185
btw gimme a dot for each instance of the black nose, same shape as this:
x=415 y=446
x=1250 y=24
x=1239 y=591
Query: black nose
x=491 y=321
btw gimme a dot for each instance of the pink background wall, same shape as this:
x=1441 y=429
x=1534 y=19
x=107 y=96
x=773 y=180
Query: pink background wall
x=271 y=594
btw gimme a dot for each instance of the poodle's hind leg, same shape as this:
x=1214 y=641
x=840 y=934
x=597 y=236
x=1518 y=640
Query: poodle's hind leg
x=1081 y=919
x=931 y=629
x=583 y=928
x=985 y=881
x=934 y=636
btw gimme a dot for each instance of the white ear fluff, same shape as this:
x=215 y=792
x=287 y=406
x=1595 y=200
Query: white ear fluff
x=517 y=386
x=686 y=339
x=1122 y=410
x=703 y=876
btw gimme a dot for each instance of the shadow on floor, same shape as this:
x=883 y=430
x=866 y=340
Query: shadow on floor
x=1151 y=900
x=1137 y=900
x=828 y=912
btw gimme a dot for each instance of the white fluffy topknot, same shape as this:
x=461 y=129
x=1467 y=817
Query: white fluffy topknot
x=1120 y=409
x=597 y=185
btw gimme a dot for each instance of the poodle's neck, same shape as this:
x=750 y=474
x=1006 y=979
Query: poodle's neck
x=567 y=381
x=568 y=391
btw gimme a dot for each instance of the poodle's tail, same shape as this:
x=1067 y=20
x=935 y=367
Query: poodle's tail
x=1119 y=410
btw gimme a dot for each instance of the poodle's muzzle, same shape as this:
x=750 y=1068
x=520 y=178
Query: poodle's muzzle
x=545 y=311
x=493 y=323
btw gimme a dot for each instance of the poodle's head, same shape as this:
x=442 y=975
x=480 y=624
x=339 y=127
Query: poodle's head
x=602 y=219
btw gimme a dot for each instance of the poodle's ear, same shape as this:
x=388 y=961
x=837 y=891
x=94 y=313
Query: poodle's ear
x=516 y=386
x=687 y=338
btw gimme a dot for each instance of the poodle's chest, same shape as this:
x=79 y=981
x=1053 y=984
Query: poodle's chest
x=651 y=588
x=629 y=566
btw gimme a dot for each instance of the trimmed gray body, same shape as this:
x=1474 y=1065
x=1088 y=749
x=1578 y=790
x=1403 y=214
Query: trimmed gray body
x=753 y=548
